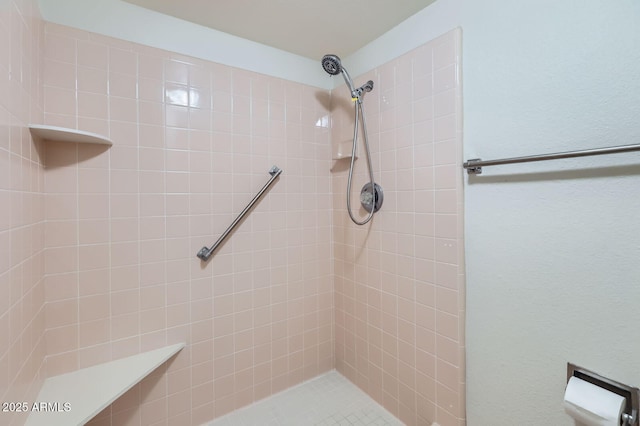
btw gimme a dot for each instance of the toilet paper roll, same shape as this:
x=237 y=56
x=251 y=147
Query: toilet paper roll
x=591 y=405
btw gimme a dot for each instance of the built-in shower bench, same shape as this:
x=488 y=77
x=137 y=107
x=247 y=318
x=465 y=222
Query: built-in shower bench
x=90 y=390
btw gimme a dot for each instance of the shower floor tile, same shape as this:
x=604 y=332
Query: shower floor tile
x=329 y=399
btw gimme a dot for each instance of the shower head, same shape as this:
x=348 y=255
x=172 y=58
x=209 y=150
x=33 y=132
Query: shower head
x=332 y=64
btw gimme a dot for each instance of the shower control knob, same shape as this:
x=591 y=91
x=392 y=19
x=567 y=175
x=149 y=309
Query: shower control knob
x=371 y=199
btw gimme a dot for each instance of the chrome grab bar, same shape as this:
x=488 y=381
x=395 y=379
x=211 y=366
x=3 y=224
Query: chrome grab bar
x=205 y=253
x=474 y=166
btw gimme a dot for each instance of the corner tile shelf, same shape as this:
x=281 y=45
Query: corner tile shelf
x=54 y=133
x=341 y=150
x=90 y=390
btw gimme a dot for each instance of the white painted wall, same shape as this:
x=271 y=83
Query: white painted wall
x=437 y=19
x=553 y=249
x=119 y=19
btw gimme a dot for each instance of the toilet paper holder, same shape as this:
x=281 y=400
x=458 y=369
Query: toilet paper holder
x=630 y=394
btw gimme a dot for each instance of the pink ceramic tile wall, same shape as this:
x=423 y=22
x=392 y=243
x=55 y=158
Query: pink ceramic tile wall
x=399 y=281
x=192 y=144
x=22 y=327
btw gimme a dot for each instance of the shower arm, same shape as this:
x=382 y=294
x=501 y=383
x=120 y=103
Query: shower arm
x=356 y=94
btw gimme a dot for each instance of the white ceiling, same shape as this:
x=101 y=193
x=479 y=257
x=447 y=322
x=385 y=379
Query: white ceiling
x=310 y=28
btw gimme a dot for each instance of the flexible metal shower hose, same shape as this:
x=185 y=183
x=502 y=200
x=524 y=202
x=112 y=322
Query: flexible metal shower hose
x=358 y=107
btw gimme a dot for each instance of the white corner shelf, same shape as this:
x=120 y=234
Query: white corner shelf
x=54 y=133
x=90 y=390
x=341 y=149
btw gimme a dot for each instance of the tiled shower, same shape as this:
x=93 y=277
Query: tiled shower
x=98 y=244
x=400 y=284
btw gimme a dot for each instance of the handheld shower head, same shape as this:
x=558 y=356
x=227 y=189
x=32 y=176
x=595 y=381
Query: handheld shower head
x=332 y=64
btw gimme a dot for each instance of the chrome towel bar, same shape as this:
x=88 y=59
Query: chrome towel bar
x=474 y=166
x=205 y=253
